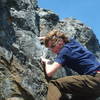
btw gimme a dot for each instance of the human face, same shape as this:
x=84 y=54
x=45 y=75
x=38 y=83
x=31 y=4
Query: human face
x=56 y=49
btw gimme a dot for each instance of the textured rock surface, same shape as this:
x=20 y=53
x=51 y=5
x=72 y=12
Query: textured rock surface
x=22 y=76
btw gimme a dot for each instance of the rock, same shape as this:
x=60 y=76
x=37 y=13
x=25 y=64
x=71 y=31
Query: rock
x=22 y=75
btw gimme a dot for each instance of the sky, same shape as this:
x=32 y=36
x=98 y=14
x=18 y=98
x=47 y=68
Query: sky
x=87 y=11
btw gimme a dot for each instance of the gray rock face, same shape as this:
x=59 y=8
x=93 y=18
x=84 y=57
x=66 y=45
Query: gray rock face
x=48 y=20
x=22 y=76
x=21 y=73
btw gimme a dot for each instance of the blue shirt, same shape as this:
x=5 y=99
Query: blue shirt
x=78 y=58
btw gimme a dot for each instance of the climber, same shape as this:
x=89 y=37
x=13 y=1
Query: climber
x=75 y=56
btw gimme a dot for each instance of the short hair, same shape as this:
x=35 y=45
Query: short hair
x=54 y=36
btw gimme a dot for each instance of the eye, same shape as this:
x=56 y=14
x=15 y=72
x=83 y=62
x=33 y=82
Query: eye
x=52 y=46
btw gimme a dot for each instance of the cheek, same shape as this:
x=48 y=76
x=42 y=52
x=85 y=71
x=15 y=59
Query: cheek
x=56 y=49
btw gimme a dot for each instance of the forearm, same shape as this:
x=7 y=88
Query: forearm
x=51 y=68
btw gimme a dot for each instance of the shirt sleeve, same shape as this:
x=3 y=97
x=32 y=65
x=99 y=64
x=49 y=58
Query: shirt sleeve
x=64 y=56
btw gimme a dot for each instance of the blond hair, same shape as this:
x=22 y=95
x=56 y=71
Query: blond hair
x=55 y=36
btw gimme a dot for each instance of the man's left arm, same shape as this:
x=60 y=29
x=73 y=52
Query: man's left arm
x=50 y=68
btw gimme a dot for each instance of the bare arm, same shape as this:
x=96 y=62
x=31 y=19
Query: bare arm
x=50 y=68
x=41 y=38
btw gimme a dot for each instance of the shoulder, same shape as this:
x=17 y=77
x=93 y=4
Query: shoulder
x=65 y=49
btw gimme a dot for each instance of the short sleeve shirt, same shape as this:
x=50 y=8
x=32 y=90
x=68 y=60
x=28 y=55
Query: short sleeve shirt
x=78 y=58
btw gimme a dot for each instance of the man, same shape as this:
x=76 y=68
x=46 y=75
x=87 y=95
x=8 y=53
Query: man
x=85 y=86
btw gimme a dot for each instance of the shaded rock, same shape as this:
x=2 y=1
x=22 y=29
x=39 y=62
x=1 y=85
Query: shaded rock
x=21 y=73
